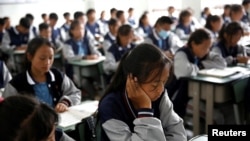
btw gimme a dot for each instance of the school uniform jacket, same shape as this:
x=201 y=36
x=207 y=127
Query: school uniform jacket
x=172 y=43
x=186 y=64
x=121 y=121
x=183 y=32
x=60 y=86
x=109 y=40
x=5 y=75
x=229 y=54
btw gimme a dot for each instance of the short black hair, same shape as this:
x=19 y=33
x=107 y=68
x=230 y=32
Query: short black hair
x=24 y=22
x=53 y=16
x=164 y=20
x=2 y=22
x=235 y=8
x=29 y=16
x=130 y=9
x=112 y=22
x=119 y=13
x=43 y=26
x=245 y=2
x=43 y=15
x=227 y=6
x=112 y=10
x=90 y=11
x=78 y=14
x=66 y=14
x=198 y=36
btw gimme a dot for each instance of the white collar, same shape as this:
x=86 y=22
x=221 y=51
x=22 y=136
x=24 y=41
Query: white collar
x=111 y=36
x=32 y=82
x=15 y=30
x=121 y=48
x=156 y=35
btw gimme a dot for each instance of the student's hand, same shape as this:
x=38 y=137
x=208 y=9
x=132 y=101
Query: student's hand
x=61 y=107
x=242 y=59
x=136 y=94
x=92 y=57
x=169 y=55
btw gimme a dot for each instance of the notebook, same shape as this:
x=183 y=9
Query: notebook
x=76 y=113
x=218 y=72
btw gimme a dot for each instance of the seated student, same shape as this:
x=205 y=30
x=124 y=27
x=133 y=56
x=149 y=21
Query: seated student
x=103 y=23
x=188 y=61
x=7 y=23
x=56 y=33
x=110 y=37
x=131 y=18
x=115 y=52
x=91 y=24
x=16 y=37
x=45 y=18
x=144 y=28
x=214 y=25
x=227 y=45
x=113 y=12
x=45 y=32
x=47 y=84
x=33 y=30
x=185 y=27
x=204 y=14
x=25 y=119
x=226 y=13
x=136 y=105
x=246 y=7
x=65 y=27
x=171 y=10
x=164 y=38
x=2 y=29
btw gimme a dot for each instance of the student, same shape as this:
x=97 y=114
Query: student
x=204 y=14
x=171 y=11
x=53 y=18
x=7 y=23
x=47 y=84
x=80 y=16
x=103 y=23
x=45 y=18
x=144 y=28
x=113 y=12
x=92 y=25
x=164 y=38
x=115 y=52
x=188 y=61
x=110 y=37
x=16 y=37
x=25 y=119
x=131 y=18
x=226 y=13
x=185 y=27
x=120 y=16
x=2 y=29
x=228 y=46
x=33 y=30
x=45 y=32
x=5 y=75
x=214 y=25
x=136 y=106
x=65 y=27
x=246 y=8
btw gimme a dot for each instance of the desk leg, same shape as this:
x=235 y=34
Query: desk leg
x=209 y=92
x=195 y=90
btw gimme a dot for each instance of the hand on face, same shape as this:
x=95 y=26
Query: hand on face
x=60 y=108
x=136 y=94
x=169 y=55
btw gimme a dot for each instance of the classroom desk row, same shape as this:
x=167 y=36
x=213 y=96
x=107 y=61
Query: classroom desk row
x=214 y=90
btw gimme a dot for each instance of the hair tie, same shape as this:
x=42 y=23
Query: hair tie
x=1 y=99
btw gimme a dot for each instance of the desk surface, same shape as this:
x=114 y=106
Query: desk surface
x=243 y=72
x=87 y=62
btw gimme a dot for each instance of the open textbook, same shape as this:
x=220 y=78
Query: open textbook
x=76 y=113
x=223 y=72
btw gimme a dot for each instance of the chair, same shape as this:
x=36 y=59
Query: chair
x=201 y=137
x=239 y=88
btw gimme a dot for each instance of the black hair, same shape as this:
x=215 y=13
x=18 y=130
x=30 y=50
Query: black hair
x=235 y=8
x=112 y=10
x=210 y=19
x=123 y=30
x=25 y=22
x=66 y=14
x=143 y=16
x=78 y=14
x=90 y=11
x=29 y=16
x=24 y=118
x=245 y=2
x=164 y=20
x=2 y=22
x=198 y=36
x=130 y=9
x=43 y=26
x=33 y=46
x=184 y=13
x=6 y=18
x=53 y=16
x=119 y=13
x=43 y=15
x=73 y=25
x=112 y=22
x=149 y=58
x=227 y=6
x=230 y=29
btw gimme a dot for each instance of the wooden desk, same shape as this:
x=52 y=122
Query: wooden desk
x=212 y=90
x=76 y=113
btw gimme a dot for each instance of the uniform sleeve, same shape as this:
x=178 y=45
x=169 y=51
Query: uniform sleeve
x=175 y=43
x=180 y=33
x=214 y=60
x=68 y=53
x=5 y=46
x=172 y=124
x=110 y=64
x=228 y=60
x=9 y=90
x=6 y=75
x=182 y=67
x=70 y=92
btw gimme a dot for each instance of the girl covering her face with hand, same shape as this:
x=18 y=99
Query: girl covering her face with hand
x=136 y=105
